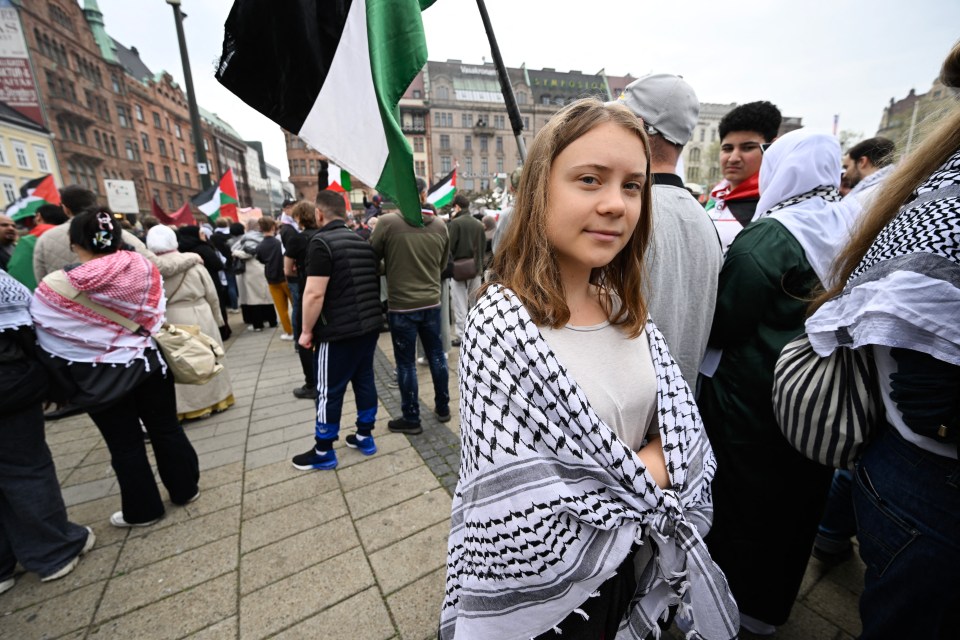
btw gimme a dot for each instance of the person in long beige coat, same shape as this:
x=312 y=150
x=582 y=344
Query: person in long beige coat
x=256 y=303
x=191 y=300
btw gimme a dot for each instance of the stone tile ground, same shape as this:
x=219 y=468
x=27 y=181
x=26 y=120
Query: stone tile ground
x=269 y=551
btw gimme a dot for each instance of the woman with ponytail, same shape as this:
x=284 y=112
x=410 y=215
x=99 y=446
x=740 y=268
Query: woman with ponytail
x=897 y=293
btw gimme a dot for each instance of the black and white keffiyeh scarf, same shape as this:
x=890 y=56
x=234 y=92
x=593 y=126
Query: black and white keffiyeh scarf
x=828 y=193
x=550 y=501
x=14 y=303
x=906 y=291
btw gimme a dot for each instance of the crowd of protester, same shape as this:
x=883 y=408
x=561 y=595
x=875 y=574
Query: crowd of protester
x=622 y=468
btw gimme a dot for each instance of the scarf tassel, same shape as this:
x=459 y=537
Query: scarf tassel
x=582 y=613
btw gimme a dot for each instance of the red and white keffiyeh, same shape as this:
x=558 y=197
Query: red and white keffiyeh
x=124 y=282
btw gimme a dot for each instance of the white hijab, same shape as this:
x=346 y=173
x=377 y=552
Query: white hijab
x=796 y=164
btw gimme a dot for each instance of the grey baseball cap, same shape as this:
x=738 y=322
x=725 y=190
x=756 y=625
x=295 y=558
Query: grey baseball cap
x=665 y=102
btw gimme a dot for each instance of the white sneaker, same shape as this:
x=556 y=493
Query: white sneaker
x=249 y=327
x=70 y=566
x=287 y=337
x=117 y=520
x=422 y=361
x=6 y=585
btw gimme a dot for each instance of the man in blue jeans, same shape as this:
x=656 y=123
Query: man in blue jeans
x=414 y=258
x=341 y=324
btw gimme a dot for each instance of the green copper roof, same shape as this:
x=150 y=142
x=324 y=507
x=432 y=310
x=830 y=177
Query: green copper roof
x=95 y=19
x=217 y=121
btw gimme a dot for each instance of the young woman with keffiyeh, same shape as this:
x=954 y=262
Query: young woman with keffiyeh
x=585 y=473
x=897 y=293
x=117 y=376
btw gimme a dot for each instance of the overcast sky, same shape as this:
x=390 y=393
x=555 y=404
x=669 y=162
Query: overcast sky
x=813 y=59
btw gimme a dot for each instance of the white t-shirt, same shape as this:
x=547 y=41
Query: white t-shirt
x=615 y=372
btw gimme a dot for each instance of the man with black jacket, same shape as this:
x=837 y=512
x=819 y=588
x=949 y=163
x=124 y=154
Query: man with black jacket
x=341 y=324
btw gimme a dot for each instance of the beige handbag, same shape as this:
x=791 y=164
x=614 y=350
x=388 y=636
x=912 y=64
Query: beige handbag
x=193 y=356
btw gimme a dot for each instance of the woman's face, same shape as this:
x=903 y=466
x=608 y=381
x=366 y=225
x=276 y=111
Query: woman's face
x=594 y=198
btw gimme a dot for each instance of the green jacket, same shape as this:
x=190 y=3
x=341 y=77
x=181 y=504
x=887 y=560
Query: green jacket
x=467 y=238
x=413 y=258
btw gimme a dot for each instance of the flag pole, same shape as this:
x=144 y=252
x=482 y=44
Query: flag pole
x=516 y=122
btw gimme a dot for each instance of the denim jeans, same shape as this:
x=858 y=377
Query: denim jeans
x=838 y=524
x=907 y=504
x=34 y=529
x=404 y=329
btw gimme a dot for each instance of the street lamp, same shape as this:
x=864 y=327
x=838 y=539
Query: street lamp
x=202 y=167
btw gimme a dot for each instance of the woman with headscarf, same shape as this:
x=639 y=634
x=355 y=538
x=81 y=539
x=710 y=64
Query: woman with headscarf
x=116 y=375
x=767 y=497
x=256 y=303
x=897 y=294
x=193 y=239
x=191 y=300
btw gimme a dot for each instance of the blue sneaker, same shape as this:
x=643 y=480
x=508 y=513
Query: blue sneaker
x=314 y=460
x=366 y=446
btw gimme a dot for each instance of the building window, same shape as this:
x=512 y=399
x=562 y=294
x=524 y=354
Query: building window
x=521 y=97
x=445 y=165
x=418 y=144
x=186 y=177
x=20 y=151
x=483 y=166
x=57 y=15
x=206 y=147
x=695 y=154
x=526 y=123
x=544 y=99
x=693 y=174
x=9 y=189
x=499 y=165
x=466 y=120
x=703 y=135
x=138 y=110
x=96 y=136
x=156 y=195
x=183 y=155
x=156 y=120
x=468 y=143
x=42 y=163
x=313 y=166
x=469 y=167
x=499 y=144
x=145 y=142
x=151 y=171
x=123 y=116
x=128 y=146
x=417 y=94
x=170 y=204
x=162 y=147
x=420 y=167
x=444 y=142
x=178 y=131
x=113 y=147
x=443 y=93
x=167 y=175
x=713 y=135
x=499 y=122
x=115 y=82
x=483 y=144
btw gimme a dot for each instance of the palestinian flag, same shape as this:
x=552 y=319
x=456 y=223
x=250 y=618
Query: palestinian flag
x=219 y=199
x=339 y=179
x=33 y=195
x=332 y=72
x=441 y=194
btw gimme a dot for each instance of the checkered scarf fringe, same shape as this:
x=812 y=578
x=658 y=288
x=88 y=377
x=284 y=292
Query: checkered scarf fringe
x=550 y=501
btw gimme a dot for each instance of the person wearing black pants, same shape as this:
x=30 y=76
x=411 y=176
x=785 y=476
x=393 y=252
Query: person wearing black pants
x=154 y=402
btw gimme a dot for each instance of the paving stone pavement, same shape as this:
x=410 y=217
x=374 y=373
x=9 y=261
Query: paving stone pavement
x=269 y=551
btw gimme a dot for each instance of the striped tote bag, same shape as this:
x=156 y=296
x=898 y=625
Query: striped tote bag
x=827 y=408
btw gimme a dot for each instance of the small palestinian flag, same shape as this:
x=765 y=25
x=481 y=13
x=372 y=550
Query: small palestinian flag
x=332 y=72
x=219 y=199
x=33 y=195
x=441 y=194
x=339 y=179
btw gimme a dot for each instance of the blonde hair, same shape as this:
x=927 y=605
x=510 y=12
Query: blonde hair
x=526 y=263
x=305 y=213
x=941 y=142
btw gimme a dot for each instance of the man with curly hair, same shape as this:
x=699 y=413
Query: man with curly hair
x=744 y=132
